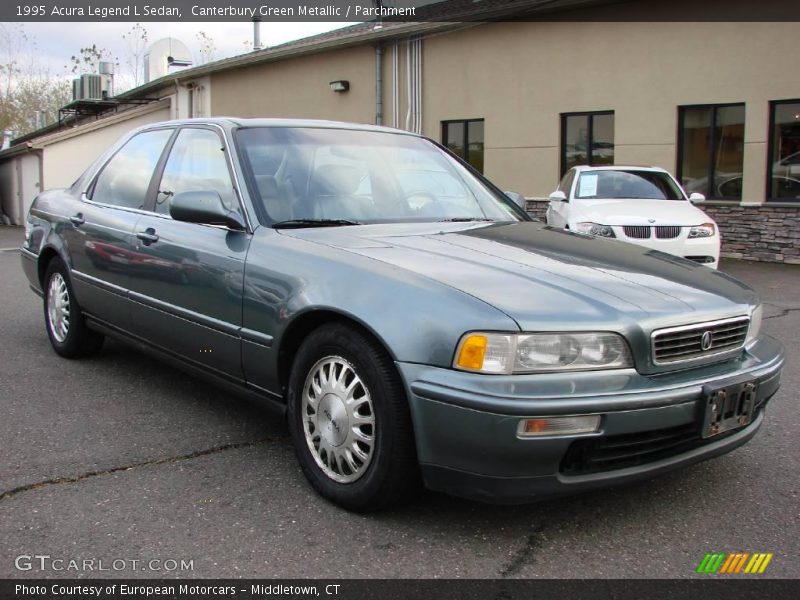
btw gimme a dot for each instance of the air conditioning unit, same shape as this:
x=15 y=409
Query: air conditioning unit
x=91 y=87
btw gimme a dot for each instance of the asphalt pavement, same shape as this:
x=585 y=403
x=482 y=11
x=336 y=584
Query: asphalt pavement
x=121 y=458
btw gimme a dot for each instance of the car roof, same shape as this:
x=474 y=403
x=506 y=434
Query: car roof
x=619 y=168
x=229 y=122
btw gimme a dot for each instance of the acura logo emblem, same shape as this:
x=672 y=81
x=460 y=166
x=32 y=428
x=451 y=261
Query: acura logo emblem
x=651 y=220
x=705 y=341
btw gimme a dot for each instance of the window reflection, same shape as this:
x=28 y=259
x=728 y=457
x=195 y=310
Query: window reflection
x=712 y=150
x=465 y=139
x=784 y=173
x=587 y=139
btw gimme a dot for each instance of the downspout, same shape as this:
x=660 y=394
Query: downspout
x=419 y=85
x=408 y=85
x=379 y=84
x=177 y=96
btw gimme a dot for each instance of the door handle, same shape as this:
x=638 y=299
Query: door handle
x=148 y=236
x=78 y=219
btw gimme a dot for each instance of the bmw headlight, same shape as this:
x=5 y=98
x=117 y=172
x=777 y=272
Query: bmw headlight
x=503 y=353
x=701 y=231
x=595 y=229
x=755 y=324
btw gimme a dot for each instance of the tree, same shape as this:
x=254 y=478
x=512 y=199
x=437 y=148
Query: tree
x=136 y=40
x=208 y=48
x=29 y=95
x=88 y=59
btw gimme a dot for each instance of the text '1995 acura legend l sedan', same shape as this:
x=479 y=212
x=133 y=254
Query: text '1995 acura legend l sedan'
x=409 y=319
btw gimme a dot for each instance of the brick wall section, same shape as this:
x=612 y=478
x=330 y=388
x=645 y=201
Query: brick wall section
x=536 y=208
x=769 y=232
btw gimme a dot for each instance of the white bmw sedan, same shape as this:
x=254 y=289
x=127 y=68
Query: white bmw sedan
x=641 y=205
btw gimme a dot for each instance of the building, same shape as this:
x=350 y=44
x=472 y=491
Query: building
x=587 y=81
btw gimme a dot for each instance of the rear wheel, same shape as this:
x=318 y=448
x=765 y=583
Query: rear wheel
x=349 y=420
x=66 y=327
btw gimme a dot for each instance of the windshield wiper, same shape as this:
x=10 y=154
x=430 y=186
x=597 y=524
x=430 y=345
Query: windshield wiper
x=299 y=223
x=465 y=220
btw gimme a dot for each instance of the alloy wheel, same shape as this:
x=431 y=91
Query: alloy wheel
x=58 y=306
x=338 y=419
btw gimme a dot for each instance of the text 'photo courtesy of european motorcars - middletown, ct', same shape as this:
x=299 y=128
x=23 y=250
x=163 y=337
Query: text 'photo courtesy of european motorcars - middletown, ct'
x=413 y=325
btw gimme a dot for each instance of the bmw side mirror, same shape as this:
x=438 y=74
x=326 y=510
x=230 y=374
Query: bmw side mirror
x=695 y=197
x=204 y=207
x=517 y=199
x=558 y=196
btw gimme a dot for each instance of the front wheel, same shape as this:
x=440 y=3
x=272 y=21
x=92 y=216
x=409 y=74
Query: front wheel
x=66 y=327
x=349 y=420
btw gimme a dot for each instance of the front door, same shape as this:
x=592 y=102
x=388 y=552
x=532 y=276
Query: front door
x=187 y=297
x=100 y=232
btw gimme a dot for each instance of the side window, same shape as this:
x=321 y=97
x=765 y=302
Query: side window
x=125 y=178
x=196 y=163
x=566 y=182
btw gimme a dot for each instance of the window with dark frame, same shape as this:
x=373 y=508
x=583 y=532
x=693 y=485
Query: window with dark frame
x=711 y=150
x=783 y=166
x=124 y=179
x=587 y=138
x=465 y=139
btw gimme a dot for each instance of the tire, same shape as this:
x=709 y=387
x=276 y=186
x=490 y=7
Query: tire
x=371 y=422
x=65 y=324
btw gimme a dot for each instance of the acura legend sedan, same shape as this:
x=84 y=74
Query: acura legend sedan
x=411 y=323
x=639 y=205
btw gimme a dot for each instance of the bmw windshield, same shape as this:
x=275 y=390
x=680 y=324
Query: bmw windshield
x=626 y=185
x=327 y=177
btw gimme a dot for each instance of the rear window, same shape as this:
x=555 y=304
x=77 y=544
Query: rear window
x=643 y=185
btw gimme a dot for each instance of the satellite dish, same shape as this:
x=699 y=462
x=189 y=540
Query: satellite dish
x=165 y=56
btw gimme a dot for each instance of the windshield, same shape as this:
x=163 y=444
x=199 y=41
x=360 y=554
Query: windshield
x=338 y=176
x=642 y=185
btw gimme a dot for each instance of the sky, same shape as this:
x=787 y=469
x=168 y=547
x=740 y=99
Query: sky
x=57 y=42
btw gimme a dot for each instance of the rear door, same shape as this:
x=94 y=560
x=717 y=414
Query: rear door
x=189 y=298
x=100 y=233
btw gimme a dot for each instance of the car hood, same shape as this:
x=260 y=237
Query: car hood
x=544 y=277
x=637 y=212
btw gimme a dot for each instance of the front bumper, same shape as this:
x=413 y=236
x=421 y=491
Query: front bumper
x=466 y=424
x=695 y=249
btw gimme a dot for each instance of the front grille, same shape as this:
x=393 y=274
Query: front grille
x=628 y=450
x=641 y=232
x=690 y=342
x=667 y=232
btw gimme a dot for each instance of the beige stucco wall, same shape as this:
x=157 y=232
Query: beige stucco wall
x=68 y=153
x=299 y=88
x=521 y=76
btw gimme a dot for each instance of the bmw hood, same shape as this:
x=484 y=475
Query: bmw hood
x=638 y=212
x=544 y=277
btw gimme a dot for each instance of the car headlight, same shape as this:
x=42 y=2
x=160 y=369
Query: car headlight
x=595 y=229
x=755 y=324
x=505 y=353
x=701 y=231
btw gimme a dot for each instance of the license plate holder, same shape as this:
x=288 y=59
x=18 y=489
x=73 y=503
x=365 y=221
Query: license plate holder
x=728 y=407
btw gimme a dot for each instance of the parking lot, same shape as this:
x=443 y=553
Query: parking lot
x=122 y=458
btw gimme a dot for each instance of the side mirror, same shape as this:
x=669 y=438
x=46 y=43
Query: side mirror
x=558 y=196
x=695 y=197
x=517 y=199
x=206 y=208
